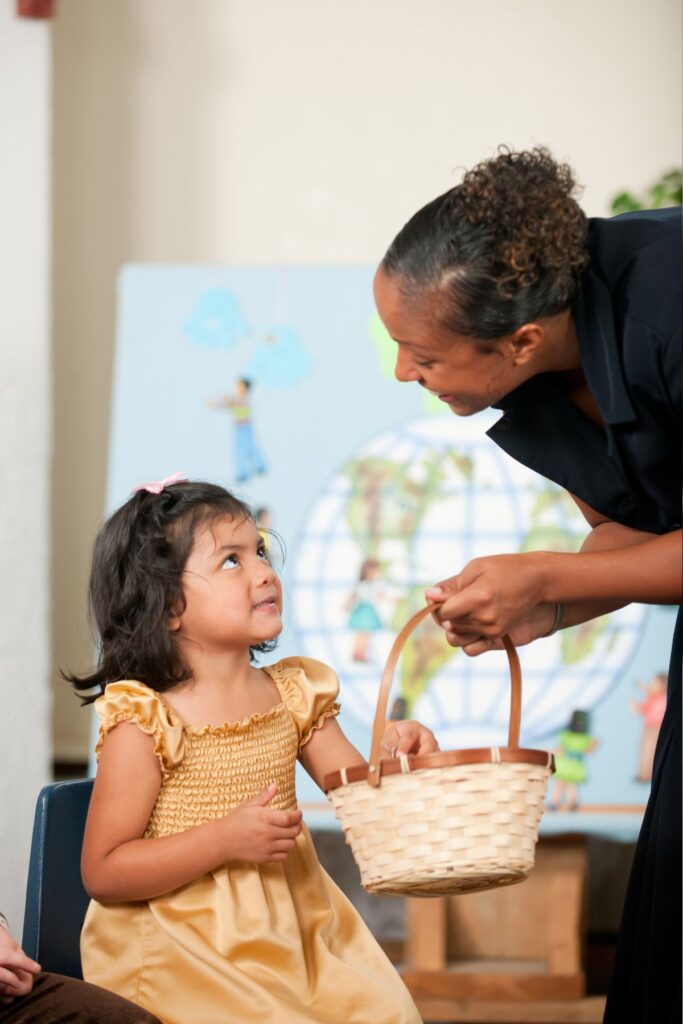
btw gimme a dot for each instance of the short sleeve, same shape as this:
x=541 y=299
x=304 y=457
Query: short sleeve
x=130 y=701
x=309 y=690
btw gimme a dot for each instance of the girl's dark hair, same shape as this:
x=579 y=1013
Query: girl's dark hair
x=504 y=247
x=136 y=583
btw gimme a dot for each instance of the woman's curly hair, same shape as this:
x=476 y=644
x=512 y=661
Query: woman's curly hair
x=136 y=583
x=504 y=247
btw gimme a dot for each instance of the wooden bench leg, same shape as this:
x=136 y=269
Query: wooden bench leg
x=426 y=933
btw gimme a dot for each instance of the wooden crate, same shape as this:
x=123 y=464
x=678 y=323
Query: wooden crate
x=511 y=954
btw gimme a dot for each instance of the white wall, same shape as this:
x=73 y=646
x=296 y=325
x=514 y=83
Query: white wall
x=25 y=421
x=261 y=131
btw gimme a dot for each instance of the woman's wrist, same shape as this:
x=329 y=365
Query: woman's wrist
x=558 y=620
x=547 y=566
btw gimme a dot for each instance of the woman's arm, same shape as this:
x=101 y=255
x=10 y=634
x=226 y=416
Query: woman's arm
x=518 y=593
x=119 y=865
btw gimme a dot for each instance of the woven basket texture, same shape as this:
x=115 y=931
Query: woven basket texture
x=459 y=828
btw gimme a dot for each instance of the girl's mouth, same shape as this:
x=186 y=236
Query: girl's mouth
x=267 y=605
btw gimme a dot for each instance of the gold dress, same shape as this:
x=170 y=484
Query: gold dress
x=247 y=942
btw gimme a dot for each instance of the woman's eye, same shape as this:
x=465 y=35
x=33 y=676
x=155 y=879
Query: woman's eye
x=425 y=365
x=231 y=562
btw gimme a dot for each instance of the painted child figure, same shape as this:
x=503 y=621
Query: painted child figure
x=208 y=901
x=652 y=708
x=364 y=618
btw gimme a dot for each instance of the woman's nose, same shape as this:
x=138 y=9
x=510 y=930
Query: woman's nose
x=405 y=370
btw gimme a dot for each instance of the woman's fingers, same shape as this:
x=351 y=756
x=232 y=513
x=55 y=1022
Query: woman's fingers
x=490 y=594
x=464 y=605
x=481 y=646
x=16 y=982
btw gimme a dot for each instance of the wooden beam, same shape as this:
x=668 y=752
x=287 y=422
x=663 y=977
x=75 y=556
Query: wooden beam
x=493 y=986
x=466 y=1011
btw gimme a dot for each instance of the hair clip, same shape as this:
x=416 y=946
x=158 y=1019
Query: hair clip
x=157 y=486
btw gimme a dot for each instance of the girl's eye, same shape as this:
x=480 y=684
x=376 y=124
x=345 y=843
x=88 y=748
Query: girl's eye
x=263 y=555
x=231 y=562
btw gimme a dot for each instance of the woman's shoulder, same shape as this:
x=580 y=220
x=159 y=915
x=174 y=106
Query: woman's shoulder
x=639 y=256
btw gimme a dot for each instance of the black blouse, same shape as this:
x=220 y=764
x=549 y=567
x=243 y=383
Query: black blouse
x=628 y=320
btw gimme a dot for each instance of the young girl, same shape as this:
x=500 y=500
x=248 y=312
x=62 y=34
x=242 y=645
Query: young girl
x=208 y=902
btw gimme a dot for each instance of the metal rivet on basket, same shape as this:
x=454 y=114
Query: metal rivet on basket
x=372 y=768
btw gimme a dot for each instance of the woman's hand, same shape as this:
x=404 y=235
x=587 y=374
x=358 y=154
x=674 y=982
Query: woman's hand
x=408 y=738
x=490 y=597
x=518 y=594
x=537 y=624
x=258 y=833
x=16 y=969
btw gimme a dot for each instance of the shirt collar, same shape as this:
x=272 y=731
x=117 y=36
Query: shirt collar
x=600 y=354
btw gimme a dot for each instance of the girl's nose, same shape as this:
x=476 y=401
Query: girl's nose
x=265 y=573
x=405 y=370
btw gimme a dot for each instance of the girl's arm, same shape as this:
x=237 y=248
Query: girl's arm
x=328 y=749
x=118 y=865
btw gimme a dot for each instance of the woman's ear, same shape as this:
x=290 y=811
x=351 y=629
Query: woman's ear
x=525 y=343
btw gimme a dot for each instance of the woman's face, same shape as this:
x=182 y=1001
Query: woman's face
x=467 y=375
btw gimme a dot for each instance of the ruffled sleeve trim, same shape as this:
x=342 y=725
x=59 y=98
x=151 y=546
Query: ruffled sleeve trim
x=331 y=712
x=131 y=701
x=308 y=689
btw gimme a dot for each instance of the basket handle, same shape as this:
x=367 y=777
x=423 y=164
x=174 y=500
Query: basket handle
x=379 y=726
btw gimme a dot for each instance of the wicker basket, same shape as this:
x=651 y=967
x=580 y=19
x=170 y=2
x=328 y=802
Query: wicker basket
x=448 y=822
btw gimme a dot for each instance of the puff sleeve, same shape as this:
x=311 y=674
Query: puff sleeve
x=130 y=701
x=308 y=689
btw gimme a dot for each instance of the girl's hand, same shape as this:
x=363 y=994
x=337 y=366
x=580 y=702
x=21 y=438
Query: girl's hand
x=258 y=833
x=408 y=738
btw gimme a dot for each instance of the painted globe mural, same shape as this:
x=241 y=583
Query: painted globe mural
x=412 y=507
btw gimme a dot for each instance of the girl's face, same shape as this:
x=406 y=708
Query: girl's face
x=466 y=375
x=233 y=596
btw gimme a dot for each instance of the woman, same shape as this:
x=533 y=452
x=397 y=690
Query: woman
x=500 y=293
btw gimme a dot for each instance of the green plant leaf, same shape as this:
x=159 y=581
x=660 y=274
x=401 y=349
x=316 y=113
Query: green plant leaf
x=625 y=203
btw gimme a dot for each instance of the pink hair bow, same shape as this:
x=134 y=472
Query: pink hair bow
x=157 y=486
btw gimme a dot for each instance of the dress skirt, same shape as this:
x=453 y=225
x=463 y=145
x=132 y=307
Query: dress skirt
x=646 y=982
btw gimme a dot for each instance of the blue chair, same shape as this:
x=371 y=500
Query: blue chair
x=55 y=898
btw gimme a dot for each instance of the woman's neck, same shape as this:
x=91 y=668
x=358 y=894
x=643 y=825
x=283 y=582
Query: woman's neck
x=560 y=352
x=565 y=356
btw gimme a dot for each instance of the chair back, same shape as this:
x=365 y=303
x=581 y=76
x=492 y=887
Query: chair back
x=55 y=898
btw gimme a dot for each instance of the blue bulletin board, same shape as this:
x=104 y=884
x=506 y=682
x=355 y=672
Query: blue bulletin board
x=277 y=382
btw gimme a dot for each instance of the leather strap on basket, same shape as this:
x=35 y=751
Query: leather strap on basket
x=379 y=726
